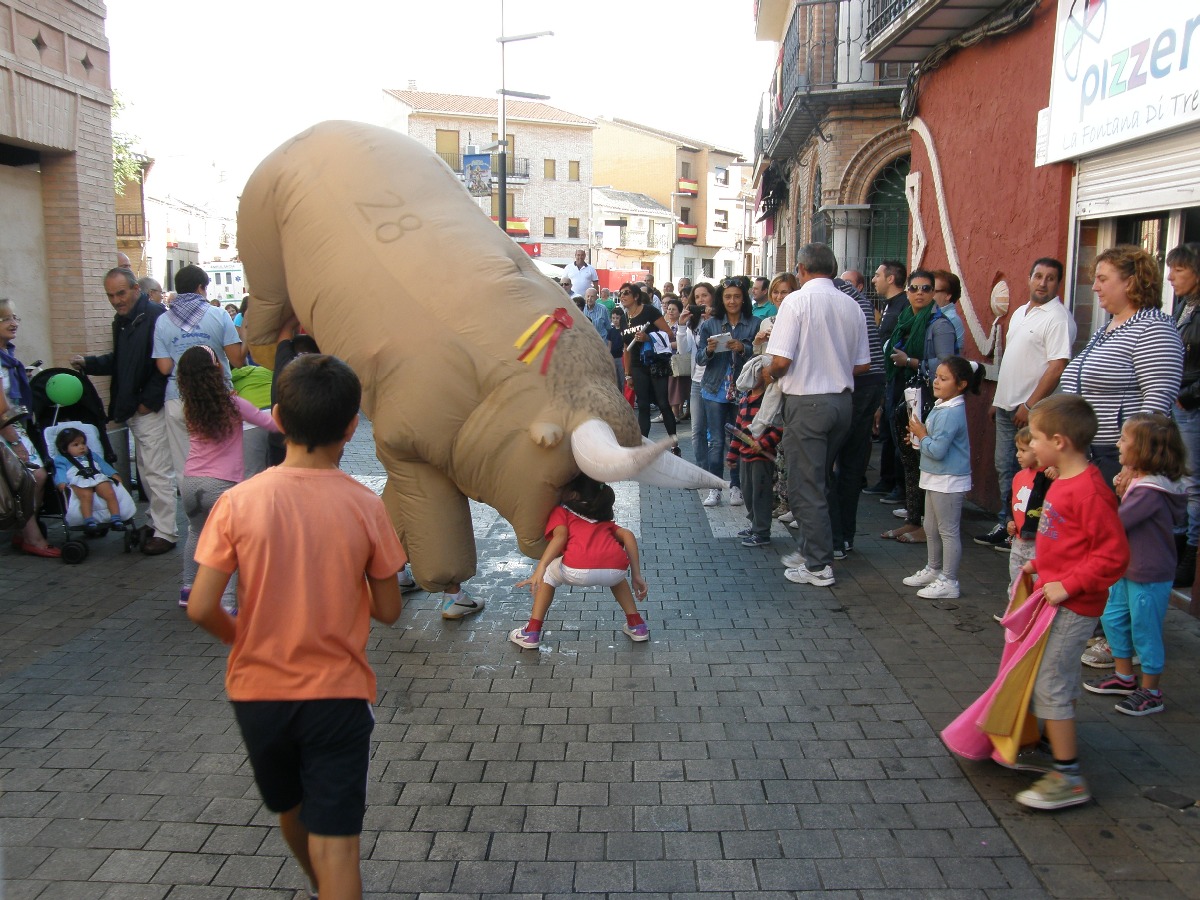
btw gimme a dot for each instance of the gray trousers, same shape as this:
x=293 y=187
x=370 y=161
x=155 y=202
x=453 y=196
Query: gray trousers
x=852 y=461
x=200 y=495
x=758 y=490
x=814 y=428
x=943 y=517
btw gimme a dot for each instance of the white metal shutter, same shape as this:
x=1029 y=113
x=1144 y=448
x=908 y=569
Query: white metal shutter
x=1159 y=174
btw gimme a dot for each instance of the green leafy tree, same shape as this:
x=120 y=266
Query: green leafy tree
x=126 y=162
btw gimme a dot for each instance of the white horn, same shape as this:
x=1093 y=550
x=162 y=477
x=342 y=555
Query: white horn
x=600 y=456
x=670 y=471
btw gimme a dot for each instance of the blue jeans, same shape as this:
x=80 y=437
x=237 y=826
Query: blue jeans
x=1188 y=421
x=719 y=415
x=699 y=425
x=1006 y=461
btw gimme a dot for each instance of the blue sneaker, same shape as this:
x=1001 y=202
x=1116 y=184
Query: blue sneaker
x=754 y=540
x=745 y=532
x=527 y=640
x=458 y=606
x=637 y=632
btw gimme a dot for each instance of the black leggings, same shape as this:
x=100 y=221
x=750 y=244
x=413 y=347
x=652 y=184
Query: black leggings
x=649 y=389
x=910 y=461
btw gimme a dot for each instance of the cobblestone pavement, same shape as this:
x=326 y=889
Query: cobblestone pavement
x=771 y=740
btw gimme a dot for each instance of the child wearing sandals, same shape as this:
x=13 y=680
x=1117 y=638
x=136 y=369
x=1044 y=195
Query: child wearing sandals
x=1153 y=503
x=945 y=475
x=586 y=548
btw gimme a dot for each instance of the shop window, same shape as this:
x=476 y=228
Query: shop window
x=1146 y=231
x=549 y=169
x=1190 y=226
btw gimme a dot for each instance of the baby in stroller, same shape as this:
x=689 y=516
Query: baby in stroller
x=96 y=495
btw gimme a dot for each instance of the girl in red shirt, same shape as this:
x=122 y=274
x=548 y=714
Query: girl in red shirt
x=586 y=548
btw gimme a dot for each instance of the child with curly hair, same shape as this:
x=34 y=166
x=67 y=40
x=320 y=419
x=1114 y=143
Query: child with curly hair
x=214 y=417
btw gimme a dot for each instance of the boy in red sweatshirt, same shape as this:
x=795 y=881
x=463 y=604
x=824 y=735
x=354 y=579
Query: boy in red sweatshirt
x=1081 y=552
x=755 y=458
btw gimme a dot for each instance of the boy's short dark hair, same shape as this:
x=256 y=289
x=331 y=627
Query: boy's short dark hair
x=1066 y=414
x=190 y=279
x=318 y=397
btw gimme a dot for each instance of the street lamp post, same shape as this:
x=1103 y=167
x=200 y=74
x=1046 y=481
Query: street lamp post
x=502 y=135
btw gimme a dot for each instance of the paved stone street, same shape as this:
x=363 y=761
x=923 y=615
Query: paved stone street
x=771 y=740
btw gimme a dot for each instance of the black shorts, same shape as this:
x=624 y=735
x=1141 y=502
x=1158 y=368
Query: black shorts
x=312 y=754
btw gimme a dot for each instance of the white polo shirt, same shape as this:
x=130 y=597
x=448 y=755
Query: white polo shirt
x=1037 y=334
x=824 y=333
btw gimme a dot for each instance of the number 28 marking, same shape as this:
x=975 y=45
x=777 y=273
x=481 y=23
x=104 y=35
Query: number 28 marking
x=395 y=222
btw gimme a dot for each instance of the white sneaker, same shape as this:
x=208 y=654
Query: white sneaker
x=657 y=418
x=942 y=589
x=458 y=606
x=793 y=560
x=735 y=497
x=924 y=577
x=713 y=498
x=787 y=518
x=802 y=575
x=406 y=580
x=900 y=513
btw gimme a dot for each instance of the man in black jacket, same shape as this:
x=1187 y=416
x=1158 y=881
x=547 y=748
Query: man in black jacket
x=136 y=399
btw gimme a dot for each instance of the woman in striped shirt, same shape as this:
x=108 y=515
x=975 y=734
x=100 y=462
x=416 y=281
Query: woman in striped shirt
x=1134 y=363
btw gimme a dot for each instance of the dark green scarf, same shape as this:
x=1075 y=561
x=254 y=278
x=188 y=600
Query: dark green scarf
x=909 y=336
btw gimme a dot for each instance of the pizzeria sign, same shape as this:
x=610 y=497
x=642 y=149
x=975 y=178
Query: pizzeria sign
x=1123 y=70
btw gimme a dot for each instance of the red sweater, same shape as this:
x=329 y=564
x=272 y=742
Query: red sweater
x=1080 y=541
x=764 y=450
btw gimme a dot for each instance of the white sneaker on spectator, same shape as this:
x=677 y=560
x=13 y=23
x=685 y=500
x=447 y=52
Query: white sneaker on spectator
x=735 y=497
x=942 y=589
x=793 y=560
x=713 y=498
x=923 y=577
x=803 y=575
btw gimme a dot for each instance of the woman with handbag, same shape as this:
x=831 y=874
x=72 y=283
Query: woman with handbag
x=16 y=396
x=921 y=338
x=723 y=345
x=647 y=375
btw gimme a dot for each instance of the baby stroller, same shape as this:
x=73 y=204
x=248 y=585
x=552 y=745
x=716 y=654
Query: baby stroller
x=86 y=414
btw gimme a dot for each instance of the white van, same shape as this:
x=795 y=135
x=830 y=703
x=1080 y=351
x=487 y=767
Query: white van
x=227 y=281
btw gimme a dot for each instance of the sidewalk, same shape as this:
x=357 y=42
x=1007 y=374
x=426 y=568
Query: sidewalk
x=770 y=740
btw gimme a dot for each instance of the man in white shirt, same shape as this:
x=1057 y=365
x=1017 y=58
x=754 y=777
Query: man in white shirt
x=582 y=275
x=1037 y=348
x=819 y=343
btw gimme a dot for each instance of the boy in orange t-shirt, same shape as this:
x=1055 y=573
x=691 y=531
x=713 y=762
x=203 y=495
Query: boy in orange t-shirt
x=317 y=558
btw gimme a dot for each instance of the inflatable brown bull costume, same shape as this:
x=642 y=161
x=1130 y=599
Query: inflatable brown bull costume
x=474 y=375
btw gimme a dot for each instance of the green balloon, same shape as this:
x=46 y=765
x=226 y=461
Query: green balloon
x=64 y=389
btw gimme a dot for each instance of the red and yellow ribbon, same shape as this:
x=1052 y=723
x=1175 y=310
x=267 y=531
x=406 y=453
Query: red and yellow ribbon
x=543 y=335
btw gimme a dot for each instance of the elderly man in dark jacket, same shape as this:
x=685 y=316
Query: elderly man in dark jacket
x=136 y=399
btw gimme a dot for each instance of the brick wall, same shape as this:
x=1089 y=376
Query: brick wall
x=54 y=73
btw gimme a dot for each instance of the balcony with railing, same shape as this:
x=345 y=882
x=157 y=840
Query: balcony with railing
x=518 y=166
x=908 y=30
x=518 y=226
x=822 y=67
x=689 y=186
x=687 y=232
x=131 y=225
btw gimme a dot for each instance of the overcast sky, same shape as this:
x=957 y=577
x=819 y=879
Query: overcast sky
x=211 y=89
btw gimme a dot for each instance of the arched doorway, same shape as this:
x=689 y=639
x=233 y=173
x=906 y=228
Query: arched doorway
x=887 y=236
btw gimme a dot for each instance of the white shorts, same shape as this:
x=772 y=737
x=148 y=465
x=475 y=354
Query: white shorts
x=557 y=574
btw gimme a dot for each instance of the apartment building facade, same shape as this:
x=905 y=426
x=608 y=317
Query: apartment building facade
x=705 y=187
x=57 y=234
x=831 y=151
x=549 y=168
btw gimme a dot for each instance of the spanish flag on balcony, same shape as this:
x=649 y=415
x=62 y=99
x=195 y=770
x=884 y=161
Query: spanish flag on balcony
x=518 y=226
x=689 y=186
x=688 y=232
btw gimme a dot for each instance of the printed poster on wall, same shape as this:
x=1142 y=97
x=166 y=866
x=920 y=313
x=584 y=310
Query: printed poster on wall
x=477 y=170
x=1123 y=70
